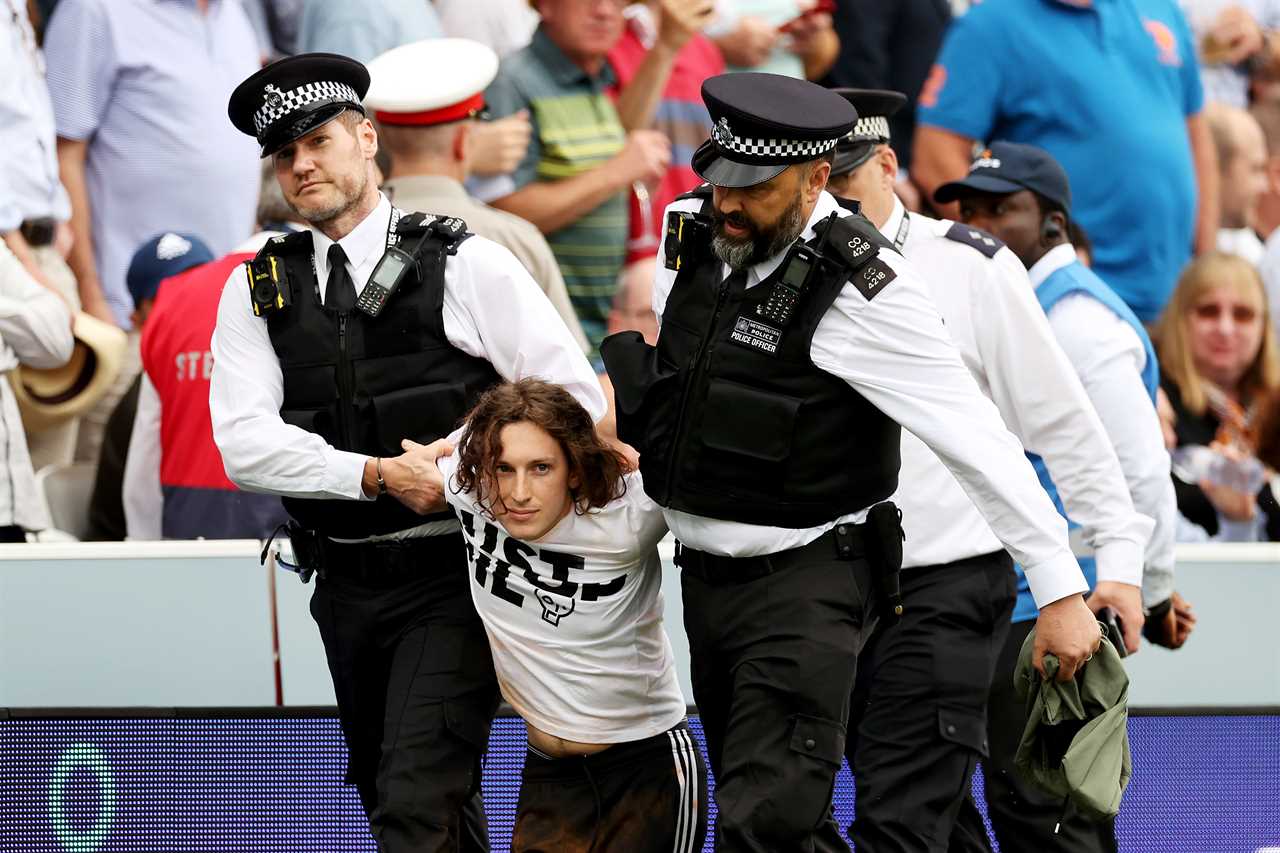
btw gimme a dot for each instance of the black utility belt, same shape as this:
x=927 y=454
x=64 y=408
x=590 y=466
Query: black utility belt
x=845 y=542
x=375 y=563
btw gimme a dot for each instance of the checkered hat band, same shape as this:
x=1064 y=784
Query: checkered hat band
x=871 y=128
x=279 y=104
x=774 y=149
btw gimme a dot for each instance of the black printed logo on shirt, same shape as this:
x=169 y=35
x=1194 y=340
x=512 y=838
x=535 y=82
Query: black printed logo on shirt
x=873 y=278
x=756 y=335
x=557 y=597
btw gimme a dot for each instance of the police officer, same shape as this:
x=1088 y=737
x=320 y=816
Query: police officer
x=794 y=341
x=958 y=580
x=333 y=346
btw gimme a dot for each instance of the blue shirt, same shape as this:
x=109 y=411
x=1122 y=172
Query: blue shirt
x=1106 y=87
x=146 y=82
x=363 y=29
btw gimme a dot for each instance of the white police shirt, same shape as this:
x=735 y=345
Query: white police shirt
x=992 y=316
x=492 y=310
x=895 y=352
x=575 y=618
x=1109 y=358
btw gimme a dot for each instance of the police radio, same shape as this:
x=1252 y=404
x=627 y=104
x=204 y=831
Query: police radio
x=268 y=286
x=797 y=271
x=387 y=276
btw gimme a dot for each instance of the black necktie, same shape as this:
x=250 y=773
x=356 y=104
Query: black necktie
x=340 y=292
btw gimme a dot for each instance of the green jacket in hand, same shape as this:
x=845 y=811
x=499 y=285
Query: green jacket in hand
x=1076 y=743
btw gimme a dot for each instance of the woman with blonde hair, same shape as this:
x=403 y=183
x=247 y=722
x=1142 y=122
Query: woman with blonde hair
x=1219 y=361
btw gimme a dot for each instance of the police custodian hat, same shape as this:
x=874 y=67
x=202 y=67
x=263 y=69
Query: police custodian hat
x=293 y=96
x=874 y=107
x=763 y=123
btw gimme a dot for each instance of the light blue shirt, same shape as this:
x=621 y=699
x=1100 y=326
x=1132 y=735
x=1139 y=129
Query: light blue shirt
x=29 y=185
x=1106 y=88
x=363 y=29
x=146 y=82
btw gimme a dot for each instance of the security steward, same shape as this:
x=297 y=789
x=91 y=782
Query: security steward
x=794 y=341
x=336 y=349
x=917 y=731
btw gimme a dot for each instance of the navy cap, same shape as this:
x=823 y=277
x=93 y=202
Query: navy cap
x=293 y=96
x=763 y=123
x=874 y=107
x=1008 y=167
x=161 y=257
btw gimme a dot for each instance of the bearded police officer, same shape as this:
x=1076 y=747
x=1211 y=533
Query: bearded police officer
x=917 y=731
x=794 y=341
x=333 y=346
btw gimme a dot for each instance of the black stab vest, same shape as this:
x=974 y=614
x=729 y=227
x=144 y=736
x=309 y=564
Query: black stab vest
x=362 y=383
x=727 y=429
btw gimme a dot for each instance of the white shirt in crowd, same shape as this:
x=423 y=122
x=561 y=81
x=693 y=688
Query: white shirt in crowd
x=505 y=26
x=575 y=618
x=1226 y=84
x=991 y=313
x=29 y=184
x=1269 y=266
x=895 y=352
x=492 y=310
x=1242 y=242
x=35 y=329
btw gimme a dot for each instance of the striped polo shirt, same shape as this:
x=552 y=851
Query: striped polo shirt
x=575 y=129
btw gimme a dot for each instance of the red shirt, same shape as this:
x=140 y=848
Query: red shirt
x=176 y=357
x=681 y=115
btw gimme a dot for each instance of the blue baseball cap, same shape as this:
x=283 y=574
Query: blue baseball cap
x=1008 y=167
x=159 y=258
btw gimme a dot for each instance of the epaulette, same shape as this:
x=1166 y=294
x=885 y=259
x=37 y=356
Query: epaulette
x=701 y=193
x=975 y=237
x=296 y=242
x=450 y=230
x=858 y=243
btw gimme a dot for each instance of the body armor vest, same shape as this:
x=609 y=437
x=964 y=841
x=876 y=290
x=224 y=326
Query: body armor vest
x=730 y=416
x=365 y=383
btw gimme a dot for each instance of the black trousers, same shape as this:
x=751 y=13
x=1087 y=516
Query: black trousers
x=918 y=721
x=646 y=796
x=1024 y=817
x=773 y=662
x=416 y=694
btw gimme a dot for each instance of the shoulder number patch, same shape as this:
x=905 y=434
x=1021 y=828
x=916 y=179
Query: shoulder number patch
x=975 y=237
x=872 y=278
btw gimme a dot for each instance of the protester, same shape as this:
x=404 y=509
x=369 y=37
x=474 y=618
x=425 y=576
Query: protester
x=612 y=759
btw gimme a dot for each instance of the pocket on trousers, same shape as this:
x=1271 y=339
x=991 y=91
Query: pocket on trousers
x=469 y=722
x=965 y=727
x=818 y=738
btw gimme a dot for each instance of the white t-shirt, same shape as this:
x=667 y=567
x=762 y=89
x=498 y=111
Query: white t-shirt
x=575 y=618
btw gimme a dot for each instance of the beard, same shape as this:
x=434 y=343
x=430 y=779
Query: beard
x=344 y=193
x=761 y=242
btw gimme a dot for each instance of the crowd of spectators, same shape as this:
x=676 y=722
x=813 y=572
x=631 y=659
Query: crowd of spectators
x=119 y=172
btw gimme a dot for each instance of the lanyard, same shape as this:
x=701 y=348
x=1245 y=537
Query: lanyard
x=903 y=227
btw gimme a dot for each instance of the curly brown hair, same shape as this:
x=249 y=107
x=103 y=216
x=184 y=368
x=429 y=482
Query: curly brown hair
x=597 y=467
